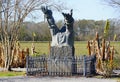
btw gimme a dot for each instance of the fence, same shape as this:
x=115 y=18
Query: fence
x=67 y=66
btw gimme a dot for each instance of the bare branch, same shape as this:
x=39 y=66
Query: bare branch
x=113 y=3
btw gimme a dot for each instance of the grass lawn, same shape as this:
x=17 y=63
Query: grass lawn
x=12 y=73
x=44 y=48
x=80 y=47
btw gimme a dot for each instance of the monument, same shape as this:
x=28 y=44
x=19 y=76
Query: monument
x=62 y=45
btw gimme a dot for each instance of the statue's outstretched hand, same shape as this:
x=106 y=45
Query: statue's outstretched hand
x=46 y=11
x=68 y=17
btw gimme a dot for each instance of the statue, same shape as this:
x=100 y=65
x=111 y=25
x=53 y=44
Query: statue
x=65 y=35
x=62 y=45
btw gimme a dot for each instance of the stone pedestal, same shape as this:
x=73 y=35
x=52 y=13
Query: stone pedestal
x=61 y=60
x=61 y=52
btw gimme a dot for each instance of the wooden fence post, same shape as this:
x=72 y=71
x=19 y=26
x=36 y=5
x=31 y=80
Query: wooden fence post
x=84 y=66
x=27 y=59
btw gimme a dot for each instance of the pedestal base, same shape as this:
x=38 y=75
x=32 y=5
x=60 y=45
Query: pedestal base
x=61 y=60
x=61 y=52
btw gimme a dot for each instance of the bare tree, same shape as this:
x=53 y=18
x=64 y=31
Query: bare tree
x=12 y=15
x=113 y=3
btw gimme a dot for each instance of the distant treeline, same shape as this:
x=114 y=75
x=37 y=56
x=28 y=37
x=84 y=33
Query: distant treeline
x=84 y=30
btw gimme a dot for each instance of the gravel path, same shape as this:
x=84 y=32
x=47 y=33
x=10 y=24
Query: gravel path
x=53 y=79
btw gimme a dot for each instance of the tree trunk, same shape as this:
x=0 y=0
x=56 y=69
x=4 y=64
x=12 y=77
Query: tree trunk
x=8 y=50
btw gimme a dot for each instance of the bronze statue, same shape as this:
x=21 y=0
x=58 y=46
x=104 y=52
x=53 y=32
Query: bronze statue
x=65 y=35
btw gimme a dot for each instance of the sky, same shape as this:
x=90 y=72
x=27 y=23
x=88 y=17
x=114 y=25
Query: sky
x=85 y=9
x=91 y=9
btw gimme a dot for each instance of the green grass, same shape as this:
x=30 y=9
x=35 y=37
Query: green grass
x=116 y=54
x=43 y=47
x=40 y=47
x=80 y=47
x=10 y=74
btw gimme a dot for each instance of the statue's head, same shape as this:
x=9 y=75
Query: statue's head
x=68 y=17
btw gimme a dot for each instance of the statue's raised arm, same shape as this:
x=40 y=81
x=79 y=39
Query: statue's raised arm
x=69 y=20
x=48 y=14
x=63 y=36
